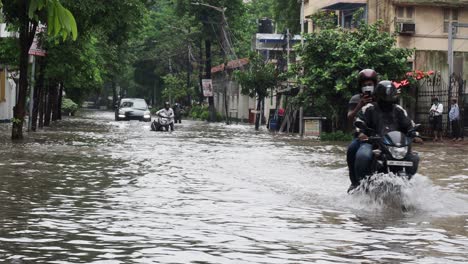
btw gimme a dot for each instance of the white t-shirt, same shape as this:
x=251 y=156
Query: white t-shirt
x=439 y=109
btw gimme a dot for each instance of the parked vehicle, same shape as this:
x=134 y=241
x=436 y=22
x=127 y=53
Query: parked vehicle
x=132 y=109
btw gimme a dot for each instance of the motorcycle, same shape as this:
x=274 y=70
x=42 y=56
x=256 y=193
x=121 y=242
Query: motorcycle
x=162 y=123
x=391 y=155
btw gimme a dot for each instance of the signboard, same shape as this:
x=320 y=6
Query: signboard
x=312 y=127
x=36 y=49
x=207 y=87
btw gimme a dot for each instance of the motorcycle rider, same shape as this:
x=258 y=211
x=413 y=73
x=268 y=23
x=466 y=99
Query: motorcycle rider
x=367 y=80
x=167 y=112
x=382 y=116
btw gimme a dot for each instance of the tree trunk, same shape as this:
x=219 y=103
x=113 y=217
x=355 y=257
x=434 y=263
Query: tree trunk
x=115 y=96
x=200 y=74
x=257 y=114
x=27 y=32
x=55 y=102
x=42 y=105
x=211 y=106
x=50 y=103
x=59 y=102
x=38 y=90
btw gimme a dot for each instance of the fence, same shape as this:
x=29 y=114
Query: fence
x=435 y=86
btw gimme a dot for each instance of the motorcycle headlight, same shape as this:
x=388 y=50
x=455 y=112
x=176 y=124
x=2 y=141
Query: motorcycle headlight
x=398 y=152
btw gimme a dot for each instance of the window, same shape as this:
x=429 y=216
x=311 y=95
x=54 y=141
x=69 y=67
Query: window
x=405 y=13
x=450 y=15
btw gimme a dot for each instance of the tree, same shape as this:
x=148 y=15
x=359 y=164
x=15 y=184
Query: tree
x=332 y=58
x=175 y=89
x=25 y=16
x=287 y=15
x=211 y=17
x=257 y=80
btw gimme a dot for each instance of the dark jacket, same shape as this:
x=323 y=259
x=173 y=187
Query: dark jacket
x=396 y=119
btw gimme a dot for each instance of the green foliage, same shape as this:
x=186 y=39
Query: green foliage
x=197 y=111
x=332 y=58
x=16 y=120
x=201 y=112
x=68 y=106
x=258 y=79
x=336 y=136
x=175 y=88
x=9 y=51
x=287 y=15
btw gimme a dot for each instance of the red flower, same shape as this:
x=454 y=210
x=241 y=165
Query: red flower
x=405 y=83
x=397 y=84
x=430 y=72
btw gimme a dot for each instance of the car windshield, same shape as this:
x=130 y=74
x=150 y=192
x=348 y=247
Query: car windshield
x=126 y=104
x=137 y=104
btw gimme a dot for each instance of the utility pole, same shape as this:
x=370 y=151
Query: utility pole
x=301 y=109
x=31 y=95
x=208 y=71
x=224 y=49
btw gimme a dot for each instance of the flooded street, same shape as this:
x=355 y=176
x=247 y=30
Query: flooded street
x=93 y=190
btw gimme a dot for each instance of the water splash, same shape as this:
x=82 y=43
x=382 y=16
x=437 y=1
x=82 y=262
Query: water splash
x=389 y=192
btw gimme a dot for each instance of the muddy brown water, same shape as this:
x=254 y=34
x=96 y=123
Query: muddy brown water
x=92 y=190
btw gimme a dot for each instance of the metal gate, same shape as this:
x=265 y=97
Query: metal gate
x=459 y=90
x=435 y=86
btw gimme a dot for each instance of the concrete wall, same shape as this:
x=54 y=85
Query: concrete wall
x=429 y=20
x=7 y=97
x=238 y=103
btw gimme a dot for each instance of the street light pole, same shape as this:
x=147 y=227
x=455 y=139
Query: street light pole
x=301 y=109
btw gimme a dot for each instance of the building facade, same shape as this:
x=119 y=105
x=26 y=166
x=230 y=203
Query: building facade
x=7 y=84
x=422 y=25
x=7 y=95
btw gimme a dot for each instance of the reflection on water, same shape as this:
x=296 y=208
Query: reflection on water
x=91 y=190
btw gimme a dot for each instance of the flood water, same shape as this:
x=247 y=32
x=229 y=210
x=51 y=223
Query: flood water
x=92 y=190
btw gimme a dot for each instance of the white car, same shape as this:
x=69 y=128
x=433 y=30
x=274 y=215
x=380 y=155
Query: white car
x=133 y=109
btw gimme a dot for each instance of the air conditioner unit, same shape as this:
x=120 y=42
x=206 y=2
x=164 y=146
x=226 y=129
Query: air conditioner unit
x=407 y=28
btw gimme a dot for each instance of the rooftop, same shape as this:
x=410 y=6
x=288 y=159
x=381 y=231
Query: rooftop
x=234 y=64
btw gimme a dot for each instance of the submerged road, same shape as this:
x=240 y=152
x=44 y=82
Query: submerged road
x=93 y=190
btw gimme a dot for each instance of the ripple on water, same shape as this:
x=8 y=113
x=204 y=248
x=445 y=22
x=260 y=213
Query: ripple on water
x=107 y=191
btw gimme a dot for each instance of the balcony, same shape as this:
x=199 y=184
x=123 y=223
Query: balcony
x=446 y=3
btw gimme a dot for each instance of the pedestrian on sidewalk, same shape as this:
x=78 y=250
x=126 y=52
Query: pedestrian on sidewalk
x=454 y=117
x=435 y=117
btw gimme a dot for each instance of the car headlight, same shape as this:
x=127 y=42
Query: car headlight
x=398 y=152
x=121 y=112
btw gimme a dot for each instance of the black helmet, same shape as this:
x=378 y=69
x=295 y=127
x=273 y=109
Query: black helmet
x=385 y=92
x=367 y=74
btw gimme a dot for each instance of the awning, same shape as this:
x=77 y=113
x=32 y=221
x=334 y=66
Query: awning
x=342 y=5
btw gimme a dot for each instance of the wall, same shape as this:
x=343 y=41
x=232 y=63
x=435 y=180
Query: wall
x=9 y=99
x=238 y=103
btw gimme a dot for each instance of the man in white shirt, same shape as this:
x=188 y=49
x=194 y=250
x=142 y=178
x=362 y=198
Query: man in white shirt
x=167 y=112
x=436 y=113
